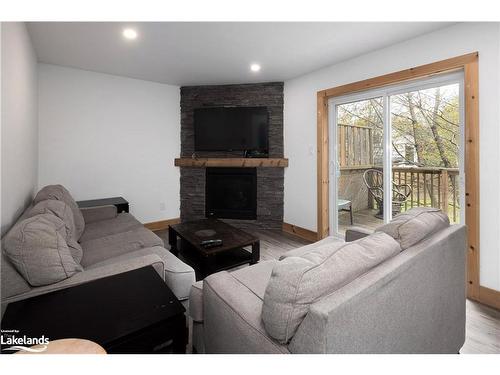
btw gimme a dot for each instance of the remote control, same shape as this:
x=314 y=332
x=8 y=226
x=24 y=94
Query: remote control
x=210 y=243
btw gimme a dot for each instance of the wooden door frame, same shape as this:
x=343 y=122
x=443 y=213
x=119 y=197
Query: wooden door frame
x=469 y=65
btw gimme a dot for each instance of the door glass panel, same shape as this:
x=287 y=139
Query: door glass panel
x=359 y=165
x=426 y=141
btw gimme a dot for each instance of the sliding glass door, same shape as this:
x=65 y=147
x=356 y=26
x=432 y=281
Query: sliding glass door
x=394 y=149
x=359 y=161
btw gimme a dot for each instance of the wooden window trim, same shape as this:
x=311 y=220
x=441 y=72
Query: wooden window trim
x=469 y=64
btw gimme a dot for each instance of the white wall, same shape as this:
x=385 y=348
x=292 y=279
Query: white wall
x=300 y=123
x=19 y=132
x=103 y=135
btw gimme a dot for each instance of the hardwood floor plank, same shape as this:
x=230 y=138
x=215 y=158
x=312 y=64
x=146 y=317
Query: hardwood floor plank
x=482 y=329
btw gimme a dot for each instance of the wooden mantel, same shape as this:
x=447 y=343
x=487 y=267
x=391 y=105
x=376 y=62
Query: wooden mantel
x=231 y=162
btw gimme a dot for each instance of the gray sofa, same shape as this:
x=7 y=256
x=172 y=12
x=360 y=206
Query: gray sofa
x=112 y=243
x=412 y=302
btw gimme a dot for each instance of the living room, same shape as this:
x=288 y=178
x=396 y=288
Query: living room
x=250 y=188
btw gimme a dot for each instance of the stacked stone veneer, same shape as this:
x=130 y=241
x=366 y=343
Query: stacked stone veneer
x=269 y=180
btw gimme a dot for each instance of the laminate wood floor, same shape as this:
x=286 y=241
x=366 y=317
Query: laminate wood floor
x=482 y=322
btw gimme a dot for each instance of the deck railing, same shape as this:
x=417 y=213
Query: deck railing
x=432 y=187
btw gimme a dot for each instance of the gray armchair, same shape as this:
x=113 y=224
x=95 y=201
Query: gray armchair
x=386 y=310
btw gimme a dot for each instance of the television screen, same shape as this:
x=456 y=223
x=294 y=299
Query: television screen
x=231 y=128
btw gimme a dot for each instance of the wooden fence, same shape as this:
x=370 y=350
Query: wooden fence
x=355 y=145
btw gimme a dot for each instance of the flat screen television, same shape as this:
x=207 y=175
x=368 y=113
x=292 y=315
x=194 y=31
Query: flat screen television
x=231 y=129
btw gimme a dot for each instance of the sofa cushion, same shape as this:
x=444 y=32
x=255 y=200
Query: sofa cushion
x=63 y=212
x=297 y=282
x=38 y=250
x=232 y=315
x=412 y=226
x=93 y=273
x=100 y=249
x=177 y=275
x=254 y=278
x=59 y=192
x=59 y=208
x=121 y=223
x=305 y=249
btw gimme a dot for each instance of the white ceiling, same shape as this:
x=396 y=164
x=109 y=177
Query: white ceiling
x=214 y=53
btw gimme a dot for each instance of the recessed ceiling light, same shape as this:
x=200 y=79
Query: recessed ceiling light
x=130 y=34
x=255 y=67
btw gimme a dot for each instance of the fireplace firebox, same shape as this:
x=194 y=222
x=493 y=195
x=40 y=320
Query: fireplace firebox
x=231 y=193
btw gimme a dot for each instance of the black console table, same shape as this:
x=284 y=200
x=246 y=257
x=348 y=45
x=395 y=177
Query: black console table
x=120 y=203
x=132 y=312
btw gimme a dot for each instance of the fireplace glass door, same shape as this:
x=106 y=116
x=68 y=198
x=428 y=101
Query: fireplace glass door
x=231 y=193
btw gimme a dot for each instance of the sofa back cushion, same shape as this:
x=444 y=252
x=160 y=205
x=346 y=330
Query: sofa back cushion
x=37 y=248
x=63 y=211
x=414 y=225
x=299 y=251
x=297 y=282
x=59 y=192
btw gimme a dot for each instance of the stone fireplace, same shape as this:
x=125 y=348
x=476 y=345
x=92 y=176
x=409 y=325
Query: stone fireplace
x=196 y=180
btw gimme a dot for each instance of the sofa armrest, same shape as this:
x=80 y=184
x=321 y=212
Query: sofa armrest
x=179 y=276
x=232 y=318
x=196 y=302
x=91 y=274
x=98 y=213
x=355 y=233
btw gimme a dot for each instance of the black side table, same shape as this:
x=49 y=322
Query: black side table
x=132 y=312
x=120 y=203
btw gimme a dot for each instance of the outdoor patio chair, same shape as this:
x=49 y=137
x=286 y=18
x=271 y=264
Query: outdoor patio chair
x=374 y=181
x=346 y=206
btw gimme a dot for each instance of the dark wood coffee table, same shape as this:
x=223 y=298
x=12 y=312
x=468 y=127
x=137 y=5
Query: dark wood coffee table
x=133 y=312
x=206 y=261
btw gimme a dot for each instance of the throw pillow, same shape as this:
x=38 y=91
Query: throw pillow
x=59 y=192
x=62 y=211
x=412 y=226
x=38 y=250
